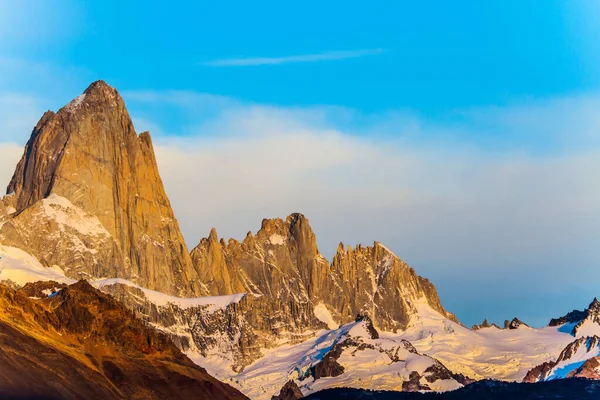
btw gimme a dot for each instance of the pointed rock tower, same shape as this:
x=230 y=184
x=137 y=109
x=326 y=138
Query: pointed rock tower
x=282 y=263
x=87 y=196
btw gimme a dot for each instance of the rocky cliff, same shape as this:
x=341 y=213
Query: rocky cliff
x=87 y=195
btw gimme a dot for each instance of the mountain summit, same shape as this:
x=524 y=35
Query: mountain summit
x=88 y=177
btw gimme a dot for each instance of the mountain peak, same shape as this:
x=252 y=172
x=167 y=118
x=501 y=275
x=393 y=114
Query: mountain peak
x=213 y=236
x=89 y=155
x=98 y=97
x=101 y=90
x=296 y=218
x=594 y=305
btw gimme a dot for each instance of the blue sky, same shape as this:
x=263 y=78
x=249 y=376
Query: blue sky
x=463 y=135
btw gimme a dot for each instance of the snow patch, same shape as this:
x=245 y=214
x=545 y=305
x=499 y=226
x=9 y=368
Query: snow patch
x=277 y=239
x=22 y=268
x=75 y=104
x=323 y=315
x=64 y=213
x=588 y=328
x=214 y=303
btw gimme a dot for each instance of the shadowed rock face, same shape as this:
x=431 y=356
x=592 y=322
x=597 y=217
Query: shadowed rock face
x=82 y=343
x=90 y=187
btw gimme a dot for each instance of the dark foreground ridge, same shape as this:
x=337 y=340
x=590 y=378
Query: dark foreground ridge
x=82 y=344
x=575 y=389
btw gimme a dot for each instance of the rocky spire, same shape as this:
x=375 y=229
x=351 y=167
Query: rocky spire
x=88 y=157
x=282 y=262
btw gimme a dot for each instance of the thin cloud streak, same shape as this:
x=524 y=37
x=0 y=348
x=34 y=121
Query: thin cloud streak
x=303 y=58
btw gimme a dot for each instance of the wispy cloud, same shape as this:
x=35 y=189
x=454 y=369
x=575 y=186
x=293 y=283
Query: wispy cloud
x=302 y=58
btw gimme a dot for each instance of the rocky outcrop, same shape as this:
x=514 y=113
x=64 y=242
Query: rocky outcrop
x=516 y=323
x=590 y=317
x=590 y=369
x=293 y=289
x=81 y=343
x=572 y=354
x=484 y=324
x=289 y=391
x=539 y=373
x=42 y=289
x=237 y=333
x=373 y=280
x=86 y=195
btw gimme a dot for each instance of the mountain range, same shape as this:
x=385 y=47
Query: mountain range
x=103 y=299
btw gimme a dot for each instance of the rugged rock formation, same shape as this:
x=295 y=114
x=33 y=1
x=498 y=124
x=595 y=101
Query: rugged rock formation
x=282 y=262
x=237 y=333
x=294 y=289
x=373 y=280
x=87 y=196
x=360 y=341
x=590 y=369
x=572 y=354
x=516 y=323
x=588 y=318
x=81 y=343
x=289 y=391
x=484 y=324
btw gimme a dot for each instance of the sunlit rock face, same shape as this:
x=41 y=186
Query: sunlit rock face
x=87 y=195
x=282 y=262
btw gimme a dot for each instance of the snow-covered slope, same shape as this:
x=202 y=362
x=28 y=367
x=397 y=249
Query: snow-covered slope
x=505 y=354
x=584 y=326
x=574 y=356
x=350 y=356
